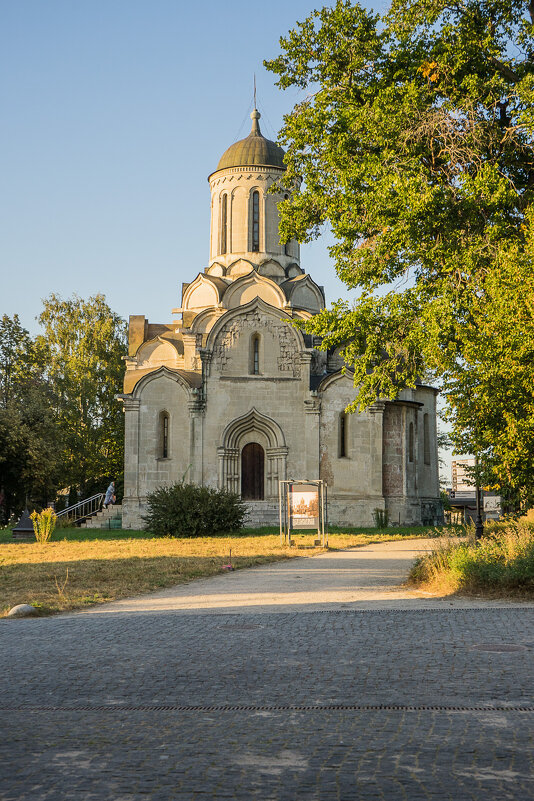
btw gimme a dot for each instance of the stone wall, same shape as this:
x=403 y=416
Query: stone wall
x=298 y=429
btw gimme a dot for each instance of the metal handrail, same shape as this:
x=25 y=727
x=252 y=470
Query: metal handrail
x=83 y=509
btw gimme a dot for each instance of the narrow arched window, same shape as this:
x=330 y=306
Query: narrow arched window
x=224 y=223
x=163 y=435
x=286 y=249
x=426 y=439
x=343 y=427
x=410 y=443
x=255 y=354
x=255 y=221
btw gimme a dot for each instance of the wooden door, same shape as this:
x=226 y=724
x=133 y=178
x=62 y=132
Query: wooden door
x=252 y=469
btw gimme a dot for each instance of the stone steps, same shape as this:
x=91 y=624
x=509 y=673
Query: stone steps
x=110 y=518
x=262 y=513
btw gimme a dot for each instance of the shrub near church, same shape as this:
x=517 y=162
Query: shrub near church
x=185 y=510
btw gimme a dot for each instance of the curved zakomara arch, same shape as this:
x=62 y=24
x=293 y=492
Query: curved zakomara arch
x=293 y=269
x=205 y=320
x=270 y=268
x=245 y=266
x=212 y=287
x=332 y=378
x=164 y=372
x=156 y=342
x=253 y=421
x=298 y=284
x=216 y=269
x=250 y=279
x=256 y=303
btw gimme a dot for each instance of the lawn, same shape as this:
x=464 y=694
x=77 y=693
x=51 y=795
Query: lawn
x=79 y=568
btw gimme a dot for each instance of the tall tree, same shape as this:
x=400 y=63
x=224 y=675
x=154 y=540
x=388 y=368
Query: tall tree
x=30 y=441
x=415 y=144
x=81 y=352
x=16 y=357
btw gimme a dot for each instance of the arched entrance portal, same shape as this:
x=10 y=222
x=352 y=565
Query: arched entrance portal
x=253 y=428
x=252 y=472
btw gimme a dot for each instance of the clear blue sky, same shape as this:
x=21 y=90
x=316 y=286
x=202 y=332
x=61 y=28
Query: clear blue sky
x=114 y=112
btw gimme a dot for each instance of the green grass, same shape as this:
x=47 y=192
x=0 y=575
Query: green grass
x=80 y=535
x=106 y=535
x=501 y=563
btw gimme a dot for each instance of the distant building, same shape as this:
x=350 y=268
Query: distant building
x=463 y=495
x=492 y=505
x=462 y=483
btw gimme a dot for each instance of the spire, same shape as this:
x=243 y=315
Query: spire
x=255 y=131
x=255 y=124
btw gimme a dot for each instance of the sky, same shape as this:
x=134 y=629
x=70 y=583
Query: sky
x=114 y=113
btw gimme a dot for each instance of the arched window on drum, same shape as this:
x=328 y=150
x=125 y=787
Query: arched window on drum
x=224 y=223
x=255 y=221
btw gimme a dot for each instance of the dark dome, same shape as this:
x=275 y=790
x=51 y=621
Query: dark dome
x=255 y=150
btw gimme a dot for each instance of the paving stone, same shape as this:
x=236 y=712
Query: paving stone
x=420 y=659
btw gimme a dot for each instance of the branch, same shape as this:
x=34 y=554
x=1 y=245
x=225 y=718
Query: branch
x=506 y=71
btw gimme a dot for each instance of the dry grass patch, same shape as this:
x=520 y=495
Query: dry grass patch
x=76 y=572
x=501 y=564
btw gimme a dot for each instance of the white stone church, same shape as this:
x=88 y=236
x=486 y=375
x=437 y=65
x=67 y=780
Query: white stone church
x=231 y=395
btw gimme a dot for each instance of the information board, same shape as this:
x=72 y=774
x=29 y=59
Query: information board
x=304 y=505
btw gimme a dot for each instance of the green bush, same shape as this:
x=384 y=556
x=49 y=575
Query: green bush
x=43 y=524
x=186 y=510
x=503 y=560
x=381 y=518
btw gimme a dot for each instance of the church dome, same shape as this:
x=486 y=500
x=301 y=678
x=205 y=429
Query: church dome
x=255 y=150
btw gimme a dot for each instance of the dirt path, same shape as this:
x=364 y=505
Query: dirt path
x=360 y=578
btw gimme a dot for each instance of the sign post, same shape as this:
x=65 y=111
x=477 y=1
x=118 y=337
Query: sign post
x=302 y=505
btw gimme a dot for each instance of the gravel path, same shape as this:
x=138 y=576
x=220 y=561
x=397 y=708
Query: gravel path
x=361 y=578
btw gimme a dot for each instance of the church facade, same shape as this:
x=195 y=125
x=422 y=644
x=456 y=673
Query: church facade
x=231 y=395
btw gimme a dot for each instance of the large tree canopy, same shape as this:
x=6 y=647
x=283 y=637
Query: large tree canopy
x=81 y=352
x=30 y=440
x=415 y=144
x=60 y=422
x=16 y=358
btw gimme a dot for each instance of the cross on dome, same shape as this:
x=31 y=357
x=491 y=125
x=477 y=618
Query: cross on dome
x=255 y=150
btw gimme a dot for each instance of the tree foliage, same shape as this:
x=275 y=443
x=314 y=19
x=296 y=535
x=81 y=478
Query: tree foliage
x=81 y=352
x=16 y=358
x=415 y=145
x=30 y=440
x=60 y=424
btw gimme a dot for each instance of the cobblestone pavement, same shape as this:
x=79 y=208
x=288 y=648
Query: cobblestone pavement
x=384 y=704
